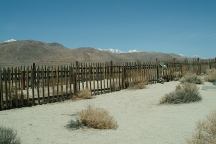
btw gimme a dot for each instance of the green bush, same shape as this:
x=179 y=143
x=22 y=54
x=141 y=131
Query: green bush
x=184 y=93
x=191 y=78
x=75 y=124
x=8 y=136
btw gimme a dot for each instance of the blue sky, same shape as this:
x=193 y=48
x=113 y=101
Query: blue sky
x=174 y=26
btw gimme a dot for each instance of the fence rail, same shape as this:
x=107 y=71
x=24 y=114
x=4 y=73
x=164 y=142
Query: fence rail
x=33 y=85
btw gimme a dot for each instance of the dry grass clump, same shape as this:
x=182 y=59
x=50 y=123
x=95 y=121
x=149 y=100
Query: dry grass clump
x=211 y=75
x=185 y=93
x=205 y=132
x=191 y=78
x=177 y=76
x=114 y=86
x=137 y=84
x=8 y=136
x=97 y=118
x=84 y=94
x=137 y=81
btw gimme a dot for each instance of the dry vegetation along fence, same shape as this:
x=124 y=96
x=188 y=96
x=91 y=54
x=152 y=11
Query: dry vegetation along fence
x=27 y=86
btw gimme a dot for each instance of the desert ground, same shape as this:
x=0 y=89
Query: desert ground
x=140 y=118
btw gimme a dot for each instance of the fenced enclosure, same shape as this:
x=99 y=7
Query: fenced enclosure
x=33 y=85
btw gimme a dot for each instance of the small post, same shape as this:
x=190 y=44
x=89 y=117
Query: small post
x=1 y=91
x=6 y=85
x=111 y=75
x=209 y=62
x=187 y=64
x=158 y=74
x=174 y=72
x=124 y=75
x=75 y=77
x=23 y=79
x=33 y=82
x=215 y=63
x=199 y=66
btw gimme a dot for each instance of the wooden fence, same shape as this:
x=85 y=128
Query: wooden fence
x=33 y=85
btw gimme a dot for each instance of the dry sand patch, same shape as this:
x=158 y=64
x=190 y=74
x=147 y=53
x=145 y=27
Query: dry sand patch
x=140 y=118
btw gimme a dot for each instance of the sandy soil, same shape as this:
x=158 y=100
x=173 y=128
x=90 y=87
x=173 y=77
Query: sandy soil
x=141 y=120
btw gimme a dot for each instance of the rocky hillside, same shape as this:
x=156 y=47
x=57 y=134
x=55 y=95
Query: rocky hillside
x=27 y=51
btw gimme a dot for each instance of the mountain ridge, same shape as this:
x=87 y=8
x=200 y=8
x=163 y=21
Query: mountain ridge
x=26 y=52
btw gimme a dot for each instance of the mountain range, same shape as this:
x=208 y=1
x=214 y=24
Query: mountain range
x=26 y=52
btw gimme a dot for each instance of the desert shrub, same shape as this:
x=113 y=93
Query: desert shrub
x=138 y=81
x=84 y=94
x=97 y=118
x=191 y=78
x=114 y=86
x=137 y=84
x=14 y=92
x=75 y=124
x=205 y=132
x=177 y=76
x=8 y=136
x=184 y=93
x=161 y=80
x=211 y=75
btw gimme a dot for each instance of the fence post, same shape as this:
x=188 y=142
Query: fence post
x=33 y=82
x=111 y=76
x=158 y=74
x=199 y=66
x=124 y=76
x=23 y=79
x=215 y=63
x=75 y=77
x=1 y=91
x=174 y=71
x=209 y=62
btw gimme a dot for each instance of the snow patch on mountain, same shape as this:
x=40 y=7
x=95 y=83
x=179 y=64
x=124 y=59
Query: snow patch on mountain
x=132 y=51
x=118 y=51
x=111 y=50
x=10 y=40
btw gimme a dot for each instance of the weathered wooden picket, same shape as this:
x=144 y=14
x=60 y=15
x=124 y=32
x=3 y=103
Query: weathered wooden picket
x=27 y=86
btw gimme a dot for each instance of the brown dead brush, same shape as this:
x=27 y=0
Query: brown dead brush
x=205 y=132
x=83 y=94
x=137 y=84
x=138 y=81
x=97 y=118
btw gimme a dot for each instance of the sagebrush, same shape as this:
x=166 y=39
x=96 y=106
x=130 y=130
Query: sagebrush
x=205 y=132
x=97 y=118
x=83 y=94
x=114 y=86
x=8 y=136
x=138 y=81
x=137 y=84
x=75 y=124
x=184 y=93
x=211 y=75
x=191 y=78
